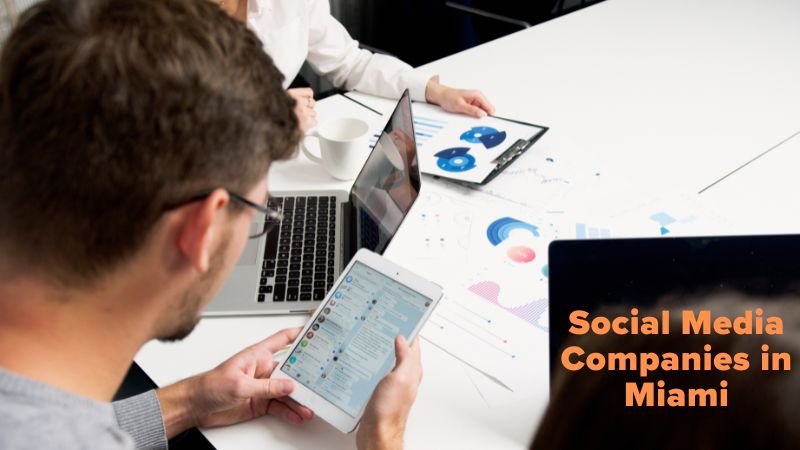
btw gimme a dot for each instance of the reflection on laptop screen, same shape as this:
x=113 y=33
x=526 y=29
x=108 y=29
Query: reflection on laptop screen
x=389 y=182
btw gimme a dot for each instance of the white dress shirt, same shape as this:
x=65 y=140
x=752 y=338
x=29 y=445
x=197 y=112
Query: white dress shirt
x=294 y=31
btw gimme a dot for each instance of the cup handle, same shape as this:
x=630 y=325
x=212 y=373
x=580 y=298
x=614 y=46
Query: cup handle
x=306 y=151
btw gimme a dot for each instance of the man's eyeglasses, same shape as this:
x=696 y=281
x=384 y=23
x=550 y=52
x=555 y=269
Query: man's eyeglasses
x=269 y=216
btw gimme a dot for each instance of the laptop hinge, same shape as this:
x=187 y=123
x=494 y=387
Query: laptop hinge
x=348 y=234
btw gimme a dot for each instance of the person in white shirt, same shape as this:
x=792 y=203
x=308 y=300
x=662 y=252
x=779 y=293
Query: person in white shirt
x=294 y=31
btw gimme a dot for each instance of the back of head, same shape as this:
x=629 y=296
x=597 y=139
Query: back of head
x=113 y=110
x=587 y=409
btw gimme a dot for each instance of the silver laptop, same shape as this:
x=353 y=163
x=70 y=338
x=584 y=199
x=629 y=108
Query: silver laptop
x=291 y=268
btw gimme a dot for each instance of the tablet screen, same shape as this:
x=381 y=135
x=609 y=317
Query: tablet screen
x=350 y=346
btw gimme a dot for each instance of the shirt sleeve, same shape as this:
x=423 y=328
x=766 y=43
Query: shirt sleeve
x=140 y=416
x=333 y=53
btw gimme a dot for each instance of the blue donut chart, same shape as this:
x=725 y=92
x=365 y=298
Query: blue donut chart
x=493 y=140
x=488 y=136
x=473 y=135
x=499 y=230
x=456 y=159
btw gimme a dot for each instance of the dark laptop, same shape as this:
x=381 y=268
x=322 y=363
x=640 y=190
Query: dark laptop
x=590 y=274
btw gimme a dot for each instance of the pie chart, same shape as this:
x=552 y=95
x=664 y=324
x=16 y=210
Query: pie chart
x=488 y=136
x=455 y=159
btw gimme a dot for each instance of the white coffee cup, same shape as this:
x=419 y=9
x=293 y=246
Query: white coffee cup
x=343 y=145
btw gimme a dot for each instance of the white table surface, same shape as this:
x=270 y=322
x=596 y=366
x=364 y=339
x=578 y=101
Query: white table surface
x=669 y=92
x=762 y=197
x=673 y=94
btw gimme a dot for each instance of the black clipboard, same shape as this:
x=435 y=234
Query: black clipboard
x=511 y=154
x=505 y=159
x=514 y=151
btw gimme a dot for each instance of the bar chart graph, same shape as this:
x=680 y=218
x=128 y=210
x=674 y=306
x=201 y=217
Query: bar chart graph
x=583 y=231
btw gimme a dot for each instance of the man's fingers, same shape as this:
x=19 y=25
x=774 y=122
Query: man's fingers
x=261 y=353
x=300 y=410
x=309 y=123
x=305 y=104
x=302 y=92
x=280 y=409
x=265 y=366
x=408 y=359
x=414 y=353
x=416 y=356
x=264 y=388
x=401 y=350
x=277 y=341
x=265 y=369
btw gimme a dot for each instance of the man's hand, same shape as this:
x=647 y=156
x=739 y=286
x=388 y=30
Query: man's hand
x=304 y=107
x=384 y=421
x=462 y=101
x=237 y=390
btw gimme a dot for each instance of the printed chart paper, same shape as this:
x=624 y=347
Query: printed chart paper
x=460 y=147
x=490 y=340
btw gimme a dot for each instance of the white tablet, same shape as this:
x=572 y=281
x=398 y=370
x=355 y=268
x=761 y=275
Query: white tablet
x=347 y=347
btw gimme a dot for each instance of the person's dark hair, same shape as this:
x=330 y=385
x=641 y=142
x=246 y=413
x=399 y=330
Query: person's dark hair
x=112 y=110
x=587 y=409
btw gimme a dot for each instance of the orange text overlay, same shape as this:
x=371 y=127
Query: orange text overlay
x=702 y=322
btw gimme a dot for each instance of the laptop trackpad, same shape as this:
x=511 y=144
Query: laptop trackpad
x=250 y=254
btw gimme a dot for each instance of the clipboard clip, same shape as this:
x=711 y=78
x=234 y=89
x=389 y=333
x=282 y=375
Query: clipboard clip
x=515 y=150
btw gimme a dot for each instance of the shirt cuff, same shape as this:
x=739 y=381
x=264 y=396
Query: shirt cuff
x=140 y=416
x=417 y=81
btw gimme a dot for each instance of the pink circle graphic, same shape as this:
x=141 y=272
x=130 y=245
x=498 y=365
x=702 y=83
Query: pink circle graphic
x=521 y=254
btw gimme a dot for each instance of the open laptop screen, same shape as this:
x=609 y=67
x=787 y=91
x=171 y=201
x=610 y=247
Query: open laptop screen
x=591 y=274
x=388 y=184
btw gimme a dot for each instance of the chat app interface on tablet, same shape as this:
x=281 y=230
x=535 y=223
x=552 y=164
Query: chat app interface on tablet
x=350 y=345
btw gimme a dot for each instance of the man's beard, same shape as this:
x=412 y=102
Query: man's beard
x=187 y=312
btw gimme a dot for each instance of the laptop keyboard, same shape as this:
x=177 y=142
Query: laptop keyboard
x=300 y=252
